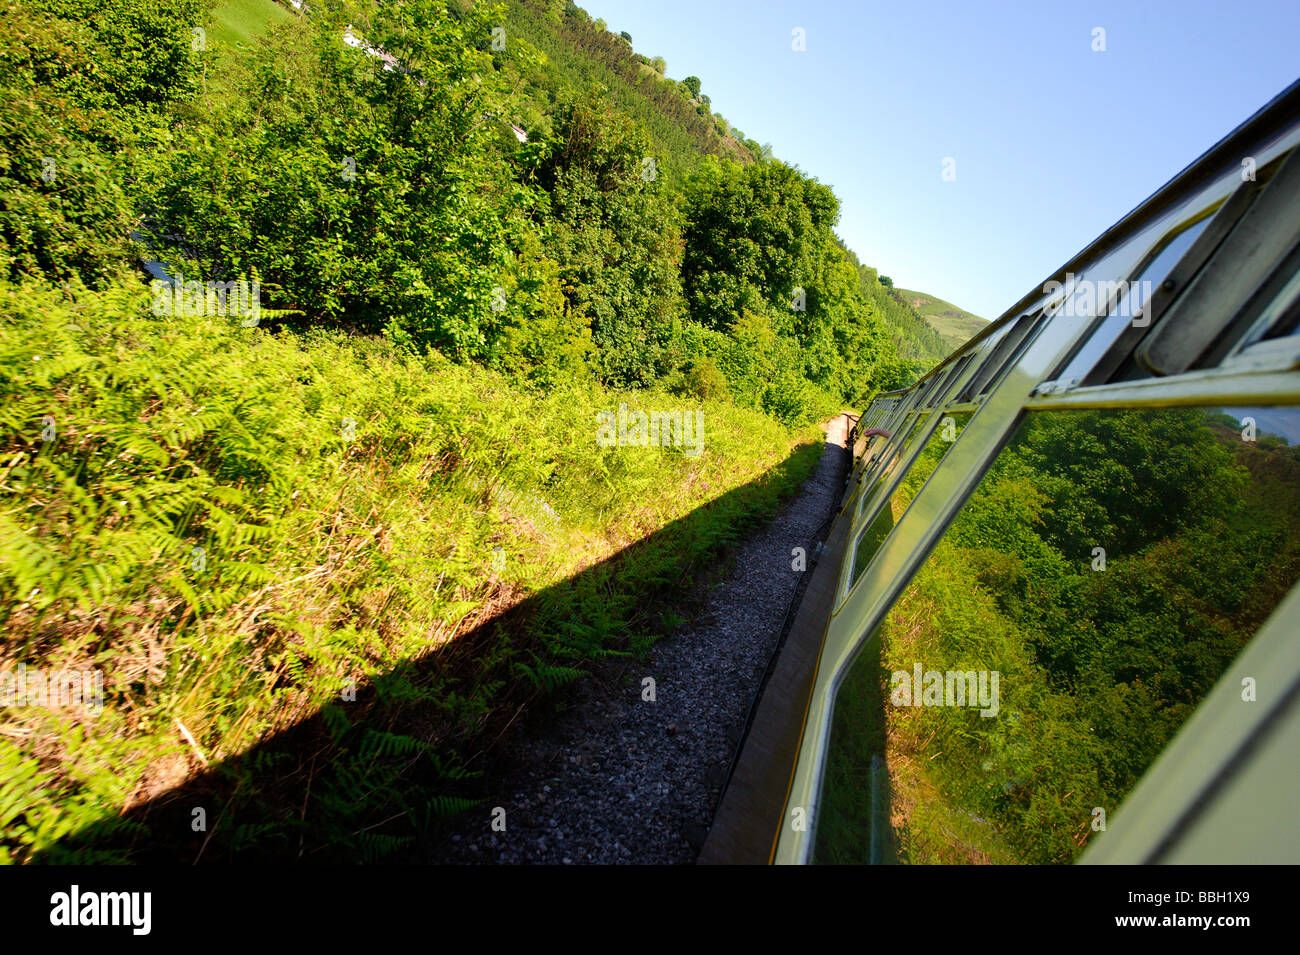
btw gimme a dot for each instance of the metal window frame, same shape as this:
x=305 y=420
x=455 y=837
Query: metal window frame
x=1021 y=387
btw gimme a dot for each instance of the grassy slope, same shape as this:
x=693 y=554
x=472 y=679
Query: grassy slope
x=565 y=67
x=324 y=559
x=202 y=532
x=238 y=21
x=956 y=325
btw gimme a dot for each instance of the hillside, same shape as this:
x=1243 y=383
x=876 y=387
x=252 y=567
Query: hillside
x=341 y=501
x=955 y=325
x=239 y=21
x=573 y=51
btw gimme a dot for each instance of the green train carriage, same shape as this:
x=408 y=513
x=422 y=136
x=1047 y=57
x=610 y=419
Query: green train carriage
x=1090 y=511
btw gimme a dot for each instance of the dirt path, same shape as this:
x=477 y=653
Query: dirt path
x=619 y=778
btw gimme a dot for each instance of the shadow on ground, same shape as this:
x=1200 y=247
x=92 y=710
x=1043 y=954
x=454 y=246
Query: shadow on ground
x=378 y=778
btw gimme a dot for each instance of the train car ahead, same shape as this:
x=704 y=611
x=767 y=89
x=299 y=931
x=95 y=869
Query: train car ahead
x=1056 y=620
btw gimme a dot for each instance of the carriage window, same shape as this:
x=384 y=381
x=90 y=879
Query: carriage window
x=1007 y=351
x=1127 y=299
x=889 y=453
x=1105 y=572
x=1282 y=314
x=945 y=433
x=1248 y=272
x=954 y=375
x=1279 y=305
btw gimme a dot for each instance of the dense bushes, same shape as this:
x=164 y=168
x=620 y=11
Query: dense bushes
x=394 y=199
x=613 y=234
x=84 y=85
x=236 y=522
x=1100 y=664
x=366 y=198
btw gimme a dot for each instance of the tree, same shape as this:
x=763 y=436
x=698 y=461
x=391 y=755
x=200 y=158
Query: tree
x=660 y=65
x=762 y=264
x=886 y=281
x=692 y=83
x=753 y=234
x=626 y=36
x=358 y=195
x=614 y=236
x=84 y=86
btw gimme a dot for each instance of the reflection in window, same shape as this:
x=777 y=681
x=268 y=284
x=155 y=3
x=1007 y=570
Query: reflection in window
x=1131 y=301
x=1006 y=353
x=1107 y=570
x=1280 y=315
x=890 y=450
x=945 y=433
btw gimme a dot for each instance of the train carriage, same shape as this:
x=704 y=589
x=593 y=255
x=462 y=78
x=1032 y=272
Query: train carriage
x=1055 y=620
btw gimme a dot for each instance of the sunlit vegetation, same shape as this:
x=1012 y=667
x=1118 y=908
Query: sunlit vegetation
x=955 y=325
x=390 y=483
x=1102 y=656
x=235 y=524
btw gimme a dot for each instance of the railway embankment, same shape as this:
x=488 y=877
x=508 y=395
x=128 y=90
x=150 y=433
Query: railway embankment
x=632 y=770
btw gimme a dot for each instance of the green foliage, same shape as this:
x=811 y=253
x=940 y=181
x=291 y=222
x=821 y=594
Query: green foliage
x=571 y=55
x=1098 y=668
x=326 y=559
x=916 y=345
x=467 y=301
x=82 y=86
x=703 y=379
x=955 y=326
x=353 y=190
x=121 y=56
x=762 y=264
x=753 y=234
x=613 y=235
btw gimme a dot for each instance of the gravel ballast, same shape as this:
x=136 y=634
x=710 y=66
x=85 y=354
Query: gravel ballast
x=618 y=778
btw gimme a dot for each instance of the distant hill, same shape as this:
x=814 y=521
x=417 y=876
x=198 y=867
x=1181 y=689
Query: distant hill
x=955 y=325
x=236 y=22
x=577 y=51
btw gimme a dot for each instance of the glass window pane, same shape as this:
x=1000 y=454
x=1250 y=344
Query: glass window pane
x=1102 y=576
x=874 y=535
x=1008 y=350
x=886 y=450
x=1131 y=302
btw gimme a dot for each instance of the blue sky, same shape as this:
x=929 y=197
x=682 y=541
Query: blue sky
x=1052 y=141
